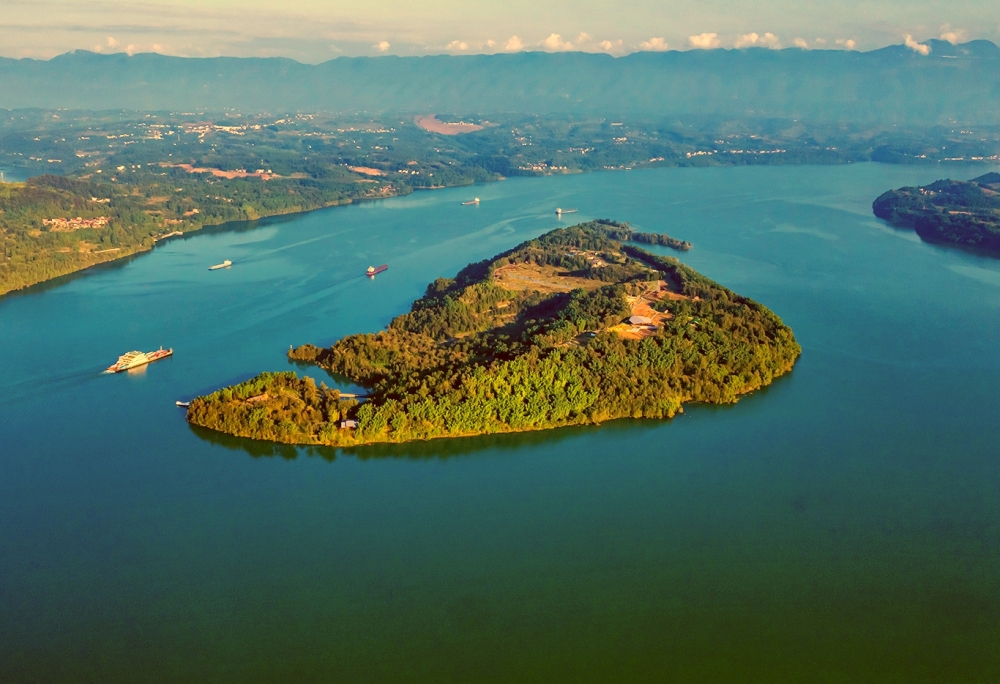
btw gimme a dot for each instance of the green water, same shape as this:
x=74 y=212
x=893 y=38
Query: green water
x=841 y=526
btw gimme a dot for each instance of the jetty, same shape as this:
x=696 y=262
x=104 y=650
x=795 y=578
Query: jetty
x=167 y=235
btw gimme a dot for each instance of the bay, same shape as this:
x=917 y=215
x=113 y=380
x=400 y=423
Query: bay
x=842 y=525
x=11 y=175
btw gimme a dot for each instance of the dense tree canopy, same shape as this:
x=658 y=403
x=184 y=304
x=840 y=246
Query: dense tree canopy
x=476 y=357
x=963 y=213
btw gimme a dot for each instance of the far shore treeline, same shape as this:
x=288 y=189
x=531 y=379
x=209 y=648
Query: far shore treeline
x=107 y=185
x=478 y=354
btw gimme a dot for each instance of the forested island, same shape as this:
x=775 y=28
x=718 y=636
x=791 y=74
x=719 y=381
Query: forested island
x=575 y=327
x=963 y=213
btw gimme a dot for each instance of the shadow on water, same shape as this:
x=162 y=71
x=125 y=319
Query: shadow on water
x=457 y=447
x=122 y=262
x=943 y=246
x=440 y=449
x=59 y=281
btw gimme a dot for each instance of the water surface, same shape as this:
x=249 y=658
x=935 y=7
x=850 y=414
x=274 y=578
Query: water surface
x=842 y=525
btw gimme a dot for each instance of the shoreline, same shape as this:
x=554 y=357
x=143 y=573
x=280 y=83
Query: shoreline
x=143 y=249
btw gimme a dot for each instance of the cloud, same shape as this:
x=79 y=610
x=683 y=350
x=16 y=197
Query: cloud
x=848 y=43
x=491 y=43
x=768 y=40
x=382 y=45
x=654 y=45
x=556 y=43
x=458 y=45
x=514 y=44
x=610 y=46
x=952 y=35
x=800 y=43
x=584 y=38
x=917 y=47
x=704 y=41
x=112 y=43
x=821 y=41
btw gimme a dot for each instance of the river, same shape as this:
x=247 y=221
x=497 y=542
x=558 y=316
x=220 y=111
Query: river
x=842 y=525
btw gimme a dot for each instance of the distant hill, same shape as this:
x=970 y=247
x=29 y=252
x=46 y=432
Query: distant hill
x=954 y=83
x=963 y=213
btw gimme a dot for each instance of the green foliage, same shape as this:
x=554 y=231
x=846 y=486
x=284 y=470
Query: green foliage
x=963 y=213
x=139 y=206
x=474 y=358
x=277 y=407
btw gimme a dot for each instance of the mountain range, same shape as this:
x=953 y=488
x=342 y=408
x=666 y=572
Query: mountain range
x=953 y=84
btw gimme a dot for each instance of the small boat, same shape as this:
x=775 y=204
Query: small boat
x=560 y=212
x=183 y=404
x=375 y=270
x=475 y=201
x=134 y=359
x=225 y=264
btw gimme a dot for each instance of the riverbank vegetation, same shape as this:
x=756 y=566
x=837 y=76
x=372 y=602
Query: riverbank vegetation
x=961 y=213
x=37 y=243
x=485 y=353
x=150 y=173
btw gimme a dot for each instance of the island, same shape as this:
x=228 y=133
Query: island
x=575 y=327
x=962 y=213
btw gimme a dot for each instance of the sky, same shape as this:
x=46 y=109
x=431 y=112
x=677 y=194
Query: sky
x=317 y=30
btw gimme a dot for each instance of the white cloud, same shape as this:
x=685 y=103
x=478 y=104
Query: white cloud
x=584 y=38
x=112 y=43
x=491 y=43
x=800 y=43
x=917 y=47
x=768 y=40
x=382 y=45
x=609 y=45
x=654 y=45
x=514 y=44
x=952 y=35
x=556 y=43
x=848 y=43
x=457 y=45
x=704 y=40
x=821 y=41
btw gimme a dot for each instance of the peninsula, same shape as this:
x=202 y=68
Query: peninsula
x=962 y=213
x=575 y=327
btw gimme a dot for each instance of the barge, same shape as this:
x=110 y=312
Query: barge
x=134 y=359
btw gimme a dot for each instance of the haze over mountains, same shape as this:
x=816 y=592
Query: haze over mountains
x=952 y=84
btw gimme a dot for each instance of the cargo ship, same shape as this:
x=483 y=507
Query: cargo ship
x=134 y=359
x=225 y=264
x=375 y=270
x=475 y=201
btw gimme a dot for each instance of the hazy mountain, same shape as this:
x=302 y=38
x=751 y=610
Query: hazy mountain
x=895 y=84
